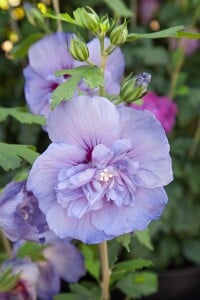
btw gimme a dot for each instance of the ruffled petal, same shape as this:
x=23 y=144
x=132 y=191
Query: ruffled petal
x=115 y=221
x=83 y=121
x=50 y=54
x=81 y=229
x=67 y=261
x=43 y=177
x=149 y=146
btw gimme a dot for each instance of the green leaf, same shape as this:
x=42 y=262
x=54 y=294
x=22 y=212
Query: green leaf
x=21 y=115
x=125 y=240
x=81 y=290
x=91 y=262
x=11 y=155
x=188 y=35
x=90 y=74
x=7 y=280
x=20 y=50
x=169 y=32
x=119 y=8
x=32 y=250
x=129 y=266
x=63 y=17
x=144 y=238
x=132 y=265
x=138 y=284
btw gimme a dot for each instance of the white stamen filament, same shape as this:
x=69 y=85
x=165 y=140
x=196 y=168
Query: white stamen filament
x=105 y=175
x=25 y=214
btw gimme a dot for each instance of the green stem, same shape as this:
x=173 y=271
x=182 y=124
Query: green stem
x=103 y=62
x=175 y=76
x=105 y=271
x=6 y=244
x=196 y=141
x=56 y=7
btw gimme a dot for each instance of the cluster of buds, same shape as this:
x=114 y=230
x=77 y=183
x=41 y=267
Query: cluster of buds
x=133 y=88
x=86 y=17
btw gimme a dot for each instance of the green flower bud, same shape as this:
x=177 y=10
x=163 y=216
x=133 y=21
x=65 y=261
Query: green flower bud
x=119 y=34
x=78 y=49
x=104 y=25
x=134 y=88
x=89 y=19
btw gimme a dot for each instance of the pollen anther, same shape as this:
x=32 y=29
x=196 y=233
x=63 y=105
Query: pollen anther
x=105 y=175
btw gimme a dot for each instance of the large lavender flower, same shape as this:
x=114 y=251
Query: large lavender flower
x=20 y=216
x=49 y=55
x=104 y=173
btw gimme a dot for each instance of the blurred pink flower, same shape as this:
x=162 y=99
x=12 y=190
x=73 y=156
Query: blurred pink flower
x=147 y=9
x=162 y=107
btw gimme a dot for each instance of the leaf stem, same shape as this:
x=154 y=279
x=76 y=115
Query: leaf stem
x=106 y=272
x=6 y=244
x=56 y=7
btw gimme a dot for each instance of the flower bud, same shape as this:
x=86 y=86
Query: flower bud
x=119 y=34
x=104 y=25
x=134 y=88
x=78 y=49
x=89 y=19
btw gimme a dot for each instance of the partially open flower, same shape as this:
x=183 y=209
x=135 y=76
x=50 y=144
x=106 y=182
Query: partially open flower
x=20 y=216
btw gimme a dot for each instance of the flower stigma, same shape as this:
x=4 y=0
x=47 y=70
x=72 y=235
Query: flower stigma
x=106 y=175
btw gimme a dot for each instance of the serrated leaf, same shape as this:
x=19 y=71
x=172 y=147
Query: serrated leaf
x=90 y=74
x=132 y=265
x=32 y=250
x=119 y=8
x=138 y=284
x=11 y=155
x=129 y=266
x=20 y=50
x=7 y=280
x=144 y=238
x=169 y=32
x=21 y=115
x=125 y=241
x=91 y=262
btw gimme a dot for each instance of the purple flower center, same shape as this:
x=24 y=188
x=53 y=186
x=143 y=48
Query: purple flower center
x=108 y=176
